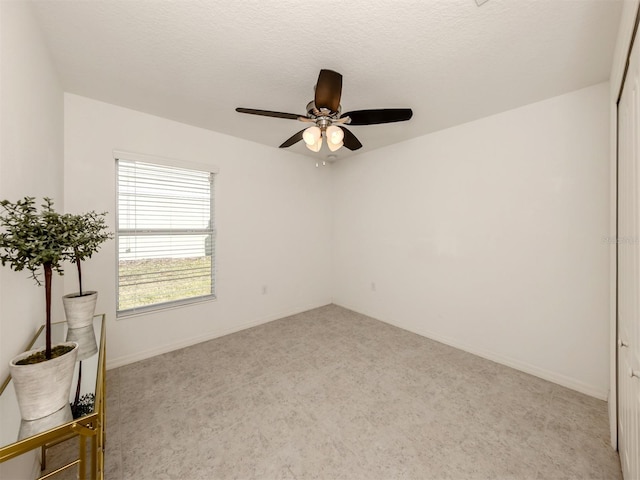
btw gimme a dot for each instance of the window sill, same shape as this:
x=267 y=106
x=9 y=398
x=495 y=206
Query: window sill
x=164 y=307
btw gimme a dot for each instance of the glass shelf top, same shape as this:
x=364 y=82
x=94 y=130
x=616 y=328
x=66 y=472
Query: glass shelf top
x=83 y=387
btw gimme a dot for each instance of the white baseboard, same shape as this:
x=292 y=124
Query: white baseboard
x=152 y=352
x=549 y=375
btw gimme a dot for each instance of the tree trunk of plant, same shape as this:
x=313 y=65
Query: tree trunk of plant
x=79 y=272
x=47 y=292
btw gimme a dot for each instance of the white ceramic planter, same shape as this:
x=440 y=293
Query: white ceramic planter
x=28 y=428
x=43 y=388
x=85 y=337
x=79 y=310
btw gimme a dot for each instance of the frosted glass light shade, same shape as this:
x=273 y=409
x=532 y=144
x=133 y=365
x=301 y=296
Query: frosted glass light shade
x=311 y=135
x=316 y=146
x=334 y=146
x=335 y=135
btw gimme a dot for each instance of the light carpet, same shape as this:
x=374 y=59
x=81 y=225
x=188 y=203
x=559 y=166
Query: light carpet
x=332 y=394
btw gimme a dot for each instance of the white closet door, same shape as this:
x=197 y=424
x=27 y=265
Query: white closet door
x=629 y=270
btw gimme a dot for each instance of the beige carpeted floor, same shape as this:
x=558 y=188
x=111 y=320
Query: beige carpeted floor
x=332 y=394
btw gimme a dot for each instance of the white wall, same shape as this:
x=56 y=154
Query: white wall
x=489 y=236
x=31 y=161
x=273 y=216
x=627 y=22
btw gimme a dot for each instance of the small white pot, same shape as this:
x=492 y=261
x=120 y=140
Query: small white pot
x=79 y=310
x=43 y=388
x=85 y=337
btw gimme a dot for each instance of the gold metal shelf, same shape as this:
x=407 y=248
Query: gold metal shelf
x=88 y=427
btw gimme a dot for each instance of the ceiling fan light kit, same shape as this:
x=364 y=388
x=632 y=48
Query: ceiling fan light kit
x=312 y=136
x=325 y=114
x=315 y=146
x=334 y=137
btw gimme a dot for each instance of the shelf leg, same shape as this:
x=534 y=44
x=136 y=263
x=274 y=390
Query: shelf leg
x=94 y=457
x=83 y=458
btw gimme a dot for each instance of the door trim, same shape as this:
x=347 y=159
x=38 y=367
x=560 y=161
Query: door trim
x=634 y=36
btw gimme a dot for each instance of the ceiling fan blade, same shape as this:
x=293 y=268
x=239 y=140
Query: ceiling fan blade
x=380 y=115
x=268 y=113
x=294 y=139
x=328 y=90
x=350 y=141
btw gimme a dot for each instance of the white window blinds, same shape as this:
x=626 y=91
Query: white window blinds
x=166 y=236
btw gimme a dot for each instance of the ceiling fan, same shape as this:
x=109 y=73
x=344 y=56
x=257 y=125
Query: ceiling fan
x=324 y=112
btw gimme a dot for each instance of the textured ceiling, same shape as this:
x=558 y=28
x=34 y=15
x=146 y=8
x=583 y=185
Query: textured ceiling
x=451 y=61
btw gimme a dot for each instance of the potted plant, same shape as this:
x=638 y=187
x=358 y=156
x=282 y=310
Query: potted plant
x=33 y=240
x=86 y=232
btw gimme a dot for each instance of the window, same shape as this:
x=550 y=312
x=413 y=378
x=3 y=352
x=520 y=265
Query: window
x=165 y=235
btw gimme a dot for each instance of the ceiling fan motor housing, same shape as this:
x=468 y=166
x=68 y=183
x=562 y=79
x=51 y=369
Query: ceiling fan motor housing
x=314 y=111
x=323 y=117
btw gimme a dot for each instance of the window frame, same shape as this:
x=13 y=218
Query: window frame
x=167 y=162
